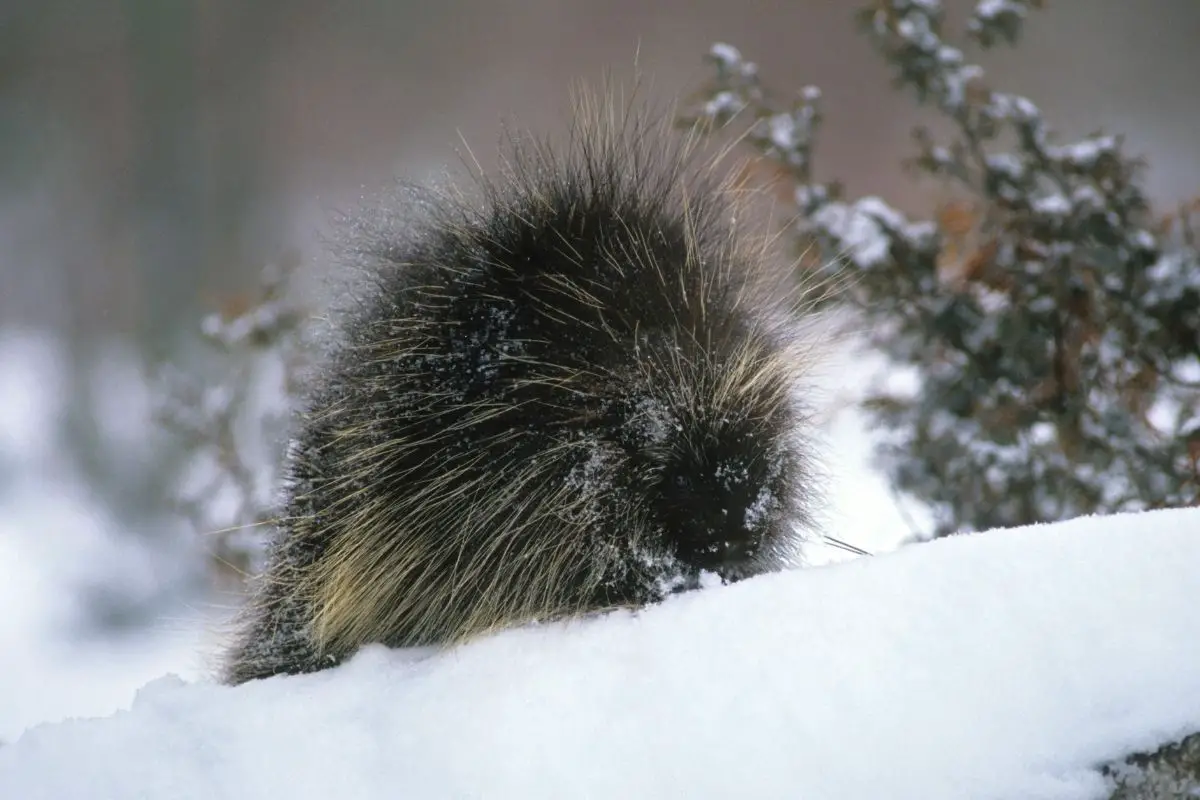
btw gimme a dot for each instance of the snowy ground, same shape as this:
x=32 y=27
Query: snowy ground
x=996 y=665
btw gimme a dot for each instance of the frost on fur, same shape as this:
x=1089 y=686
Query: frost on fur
x=566 y=392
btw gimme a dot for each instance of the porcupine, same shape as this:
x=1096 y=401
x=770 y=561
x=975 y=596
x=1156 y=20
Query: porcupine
x=575 y=390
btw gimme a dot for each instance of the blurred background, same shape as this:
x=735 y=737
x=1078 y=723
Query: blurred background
x=155 y=154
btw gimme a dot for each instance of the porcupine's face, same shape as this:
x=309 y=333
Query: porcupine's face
x=719 y=475
x=721 y=499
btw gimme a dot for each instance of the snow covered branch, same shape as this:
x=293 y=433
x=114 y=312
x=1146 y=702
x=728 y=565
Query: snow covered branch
x=1053 y=319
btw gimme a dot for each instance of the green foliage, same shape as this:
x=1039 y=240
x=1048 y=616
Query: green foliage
x=1053 y=320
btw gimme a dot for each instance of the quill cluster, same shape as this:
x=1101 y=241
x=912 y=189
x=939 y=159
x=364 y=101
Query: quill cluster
x=574 y=389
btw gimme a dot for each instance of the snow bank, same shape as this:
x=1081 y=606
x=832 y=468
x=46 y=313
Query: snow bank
x=1004 y=664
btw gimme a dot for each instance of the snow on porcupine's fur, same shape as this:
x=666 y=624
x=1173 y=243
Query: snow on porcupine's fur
x=574 y=390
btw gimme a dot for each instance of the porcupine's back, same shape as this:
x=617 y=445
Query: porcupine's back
x=567 y=394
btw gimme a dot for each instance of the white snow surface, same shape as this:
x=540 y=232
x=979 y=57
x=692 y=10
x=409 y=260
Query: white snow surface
x=1005 y=664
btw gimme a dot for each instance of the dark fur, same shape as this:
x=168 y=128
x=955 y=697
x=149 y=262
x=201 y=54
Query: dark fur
x=534 y=336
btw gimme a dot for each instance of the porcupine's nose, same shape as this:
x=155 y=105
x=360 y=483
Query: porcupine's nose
x=725 y=543
x=737 y=544
x=736 y=547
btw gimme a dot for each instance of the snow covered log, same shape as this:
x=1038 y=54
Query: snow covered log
x=1007 y=664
